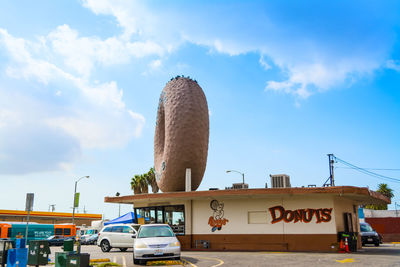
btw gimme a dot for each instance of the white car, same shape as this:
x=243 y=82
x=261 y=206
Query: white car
x=155 y=241
x=117 y=236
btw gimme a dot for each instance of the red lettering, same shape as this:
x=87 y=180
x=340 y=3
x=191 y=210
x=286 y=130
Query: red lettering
x=310 y=213
x=318 y=215
x=289 y=218
x=326 y=215
x=298 y=215
x=276 y=219
x=278 y=213
x=217 y=223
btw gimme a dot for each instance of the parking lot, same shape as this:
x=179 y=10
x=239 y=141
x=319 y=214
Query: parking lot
x=387 y=254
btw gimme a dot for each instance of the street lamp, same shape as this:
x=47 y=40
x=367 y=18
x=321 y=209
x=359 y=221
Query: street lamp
x=228 y=171
x=73 y=204
x=119 y=204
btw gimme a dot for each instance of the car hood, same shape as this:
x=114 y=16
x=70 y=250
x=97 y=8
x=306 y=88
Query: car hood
x=369 y=234
x=157 y=240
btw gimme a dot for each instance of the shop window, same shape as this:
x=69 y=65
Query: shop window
x=159 y=217
x=257 y=217
x=58 y=231
x=67 y=231
x=175 y=217
x=172 y=215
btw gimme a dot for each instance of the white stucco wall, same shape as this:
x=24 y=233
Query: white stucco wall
x=236 y=211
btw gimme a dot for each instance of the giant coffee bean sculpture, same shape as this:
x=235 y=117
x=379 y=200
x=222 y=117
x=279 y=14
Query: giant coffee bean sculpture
x=181 y=137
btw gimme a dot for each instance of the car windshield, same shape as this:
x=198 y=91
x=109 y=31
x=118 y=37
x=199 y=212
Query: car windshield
x=50 y=237
x=366 y=228
x=155 y=231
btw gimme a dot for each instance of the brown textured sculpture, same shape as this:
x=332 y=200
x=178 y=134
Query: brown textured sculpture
x=181 y=138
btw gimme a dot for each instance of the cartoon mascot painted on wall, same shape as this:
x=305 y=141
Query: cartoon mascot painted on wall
x=217 y=220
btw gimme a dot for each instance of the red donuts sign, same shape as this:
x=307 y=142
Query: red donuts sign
x=279 y=213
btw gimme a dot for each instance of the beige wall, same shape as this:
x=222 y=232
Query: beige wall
x=343 y=205
x=237 y=212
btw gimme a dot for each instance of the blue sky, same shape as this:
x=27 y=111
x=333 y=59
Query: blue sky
x=286 y=84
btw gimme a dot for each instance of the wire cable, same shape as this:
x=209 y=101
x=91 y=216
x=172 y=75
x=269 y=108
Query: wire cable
x=365 y=171
x=370 y=169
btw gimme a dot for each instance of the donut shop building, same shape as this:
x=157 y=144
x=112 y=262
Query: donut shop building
x=264 y=219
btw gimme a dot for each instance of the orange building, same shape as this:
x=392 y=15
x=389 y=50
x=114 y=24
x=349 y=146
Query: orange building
x=48 y=217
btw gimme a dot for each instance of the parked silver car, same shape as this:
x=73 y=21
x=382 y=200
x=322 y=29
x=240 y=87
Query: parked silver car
x=155 y=241
x=117 y=236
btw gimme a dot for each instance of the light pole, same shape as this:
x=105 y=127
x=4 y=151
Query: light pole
x=119 y=205
x=228 y=171
x=73 y=204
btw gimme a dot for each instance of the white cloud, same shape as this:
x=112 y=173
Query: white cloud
x=393 y=64
x=92 y=114
x=313 y=57
x=83 y=53
x=155 y=64
x=263 y=63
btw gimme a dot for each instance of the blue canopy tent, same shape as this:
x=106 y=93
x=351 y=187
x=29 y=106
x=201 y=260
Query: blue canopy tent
x=126 y=218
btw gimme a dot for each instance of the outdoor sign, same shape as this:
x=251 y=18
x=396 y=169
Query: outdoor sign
x=28 y=208
x=76 y=204
x=29 y=201
x=279 y=213
x=217 y=219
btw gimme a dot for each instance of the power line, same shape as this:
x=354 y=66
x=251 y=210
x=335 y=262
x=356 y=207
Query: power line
x=370 y=169
x=365 y=171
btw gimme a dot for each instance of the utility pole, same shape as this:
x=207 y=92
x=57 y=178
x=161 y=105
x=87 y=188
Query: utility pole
x=52 y=207
x=331 y=175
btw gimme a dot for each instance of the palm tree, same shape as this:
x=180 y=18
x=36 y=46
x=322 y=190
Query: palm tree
x=135 y=185
x=144 y=186
x=387 y=192
x=151 y=180
x=140 y=183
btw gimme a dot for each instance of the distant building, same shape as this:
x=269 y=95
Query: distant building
x=385 y=222
x=48 y=217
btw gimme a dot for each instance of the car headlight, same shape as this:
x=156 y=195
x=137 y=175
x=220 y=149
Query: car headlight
x=140 y=245
x=175 y=244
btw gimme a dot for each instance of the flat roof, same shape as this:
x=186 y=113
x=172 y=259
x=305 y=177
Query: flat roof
x=50 y=214
x=362 y=195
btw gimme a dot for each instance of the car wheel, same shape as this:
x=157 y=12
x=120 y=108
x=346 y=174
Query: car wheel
x=377 y=244
x=105 y=246
x=177 y=258
x=123 y=249
x=135 y=261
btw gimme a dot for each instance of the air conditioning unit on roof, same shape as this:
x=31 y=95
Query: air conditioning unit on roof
x=280 y=180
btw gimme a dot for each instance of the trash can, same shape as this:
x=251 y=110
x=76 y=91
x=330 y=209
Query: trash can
x=68 y=245
x=38 y=252
x=78 y=260
x=69 y=259
x=5 y=245
x=20 y=243
x=61 y=259
x=351 y=239
x=17 y=257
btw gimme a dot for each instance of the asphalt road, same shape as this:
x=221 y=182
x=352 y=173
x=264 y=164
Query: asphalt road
x=385 y=255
